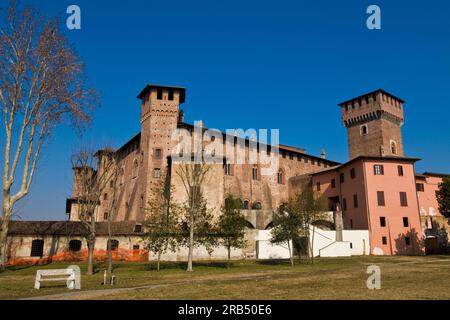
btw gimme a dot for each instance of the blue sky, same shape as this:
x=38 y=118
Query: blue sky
x=263 y=64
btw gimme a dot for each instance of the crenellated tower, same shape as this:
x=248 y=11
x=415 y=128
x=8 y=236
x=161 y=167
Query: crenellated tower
x=160 y=114
x=373 y=123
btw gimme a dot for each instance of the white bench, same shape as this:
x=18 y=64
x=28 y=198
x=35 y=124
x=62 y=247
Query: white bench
x=67 y=275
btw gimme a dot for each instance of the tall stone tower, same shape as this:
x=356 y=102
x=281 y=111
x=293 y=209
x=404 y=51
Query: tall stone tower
x=373 y=123
x=160 y=114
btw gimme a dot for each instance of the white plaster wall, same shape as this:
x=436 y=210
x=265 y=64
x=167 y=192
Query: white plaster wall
x=200 y=253
x=336 y=249
x=359 y=240
x=323 y=240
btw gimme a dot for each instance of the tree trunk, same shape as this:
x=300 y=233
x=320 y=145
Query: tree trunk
x=290 y=253
x=4 y=230
x=110 y=262
x=90 y=260
x=3 y=241
x=159 y=261
x=229 y=256
x=312 y=245
x=191 y=247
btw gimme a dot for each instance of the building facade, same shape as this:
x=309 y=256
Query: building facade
x=377 y=194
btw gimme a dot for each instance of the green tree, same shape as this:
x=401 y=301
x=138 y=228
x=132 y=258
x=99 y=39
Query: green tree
x=231 y=225
x=287 y=226
x=443 y=197
x=162 y=221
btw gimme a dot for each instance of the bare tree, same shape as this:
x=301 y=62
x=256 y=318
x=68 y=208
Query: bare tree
x=198 y=220
x=42 y=84
x=312 y=211
x=111 y=206
x=92 y=175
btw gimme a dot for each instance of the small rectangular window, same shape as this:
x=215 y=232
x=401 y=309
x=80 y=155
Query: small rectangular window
x=384 y=240
x=255 y=173
x=318 y=186
x=157 y=154
x=405 y=222
x=407 y=241
x=380 y=198
x=333 y=183
x=105 y=216
x=378 y=169
x=355 y=201
x=227 y=168
x=352 y=173
x=159 y=94
x=403 y=199
x=341 y=178
x=37 y=248
x=344 y=204
x=400 y=170
x=170 y=97
x=351 y=223
x=156 y=173
x=420 y=187
x=382 y=221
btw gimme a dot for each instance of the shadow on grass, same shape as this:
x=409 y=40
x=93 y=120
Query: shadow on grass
x=182 y=265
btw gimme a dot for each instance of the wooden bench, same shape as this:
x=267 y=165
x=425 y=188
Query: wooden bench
x=67 y=275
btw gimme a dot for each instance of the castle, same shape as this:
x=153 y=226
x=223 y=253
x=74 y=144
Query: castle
x=377 y=191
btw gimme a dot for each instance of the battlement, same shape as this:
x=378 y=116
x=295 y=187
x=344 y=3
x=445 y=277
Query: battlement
x=371 y=106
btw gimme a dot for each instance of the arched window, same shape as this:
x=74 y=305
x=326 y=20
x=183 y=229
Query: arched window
x=255 y=173
x=280 y=177
x=245 y=204
x=114 y=244
x=74 y=245
x=393 y=147
x=227 y=169
x=37 y=248
x=364 y=130
x=256 y=205
x=269 y=226
x=249 y=225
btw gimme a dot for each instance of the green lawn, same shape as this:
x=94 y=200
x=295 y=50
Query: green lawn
x=337 y=278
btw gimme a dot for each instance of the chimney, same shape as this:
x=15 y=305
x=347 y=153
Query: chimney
x=323 y=154
x=338 y=222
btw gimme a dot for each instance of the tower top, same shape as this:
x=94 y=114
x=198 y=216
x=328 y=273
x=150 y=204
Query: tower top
x=371 y=94
x=373 y=121
x=149 y=87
